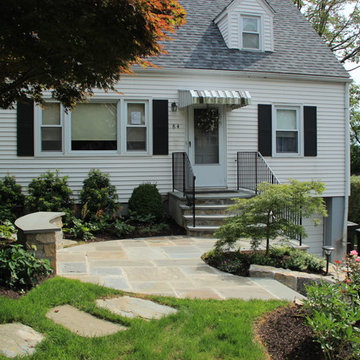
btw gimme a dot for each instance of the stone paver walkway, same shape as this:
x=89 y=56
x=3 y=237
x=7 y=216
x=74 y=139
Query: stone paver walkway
x=82 y=323
x=134 y=307
x=169 y=266
x=18 y=340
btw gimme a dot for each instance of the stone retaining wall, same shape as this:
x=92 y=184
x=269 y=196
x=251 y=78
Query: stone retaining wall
x=295 y=280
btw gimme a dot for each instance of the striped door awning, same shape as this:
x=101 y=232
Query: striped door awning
x=234 y=98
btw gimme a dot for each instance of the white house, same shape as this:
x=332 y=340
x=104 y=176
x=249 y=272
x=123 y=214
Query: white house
x=277 y=89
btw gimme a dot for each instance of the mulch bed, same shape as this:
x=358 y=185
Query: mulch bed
x=173 y=230
x=286 y=336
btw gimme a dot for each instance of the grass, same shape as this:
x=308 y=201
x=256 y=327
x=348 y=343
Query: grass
x=201 y=330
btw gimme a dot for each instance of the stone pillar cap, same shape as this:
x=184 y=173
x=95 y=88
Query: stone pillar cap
x=38 y=222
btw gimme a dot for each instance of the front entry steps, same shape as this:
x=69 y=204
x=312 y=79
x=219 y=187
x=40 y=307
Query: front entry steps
x=210 y=210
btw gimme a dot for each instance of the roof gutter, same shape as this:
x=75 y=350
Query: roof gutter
x=243 y=74
x=347 y=163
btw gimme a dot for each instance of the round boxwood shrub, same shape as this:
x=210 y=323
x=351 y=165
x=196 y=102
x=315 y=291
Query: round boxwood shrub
x=98 y=197
x=11 y=199
x=49 y=192
x=145 y=201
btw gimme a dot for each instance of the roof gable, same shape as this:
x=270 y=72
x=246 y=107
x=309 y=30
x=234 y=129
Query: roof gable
x=236 y=3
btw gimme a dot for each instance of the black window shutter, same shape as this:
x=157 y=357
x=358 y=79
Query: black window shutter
x=265 y=130
x=310 y=131
x=160 y=127
x=25 y=128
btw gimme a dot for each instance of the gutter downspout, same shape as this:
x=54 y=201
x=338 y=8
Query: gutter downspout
x=347 y=162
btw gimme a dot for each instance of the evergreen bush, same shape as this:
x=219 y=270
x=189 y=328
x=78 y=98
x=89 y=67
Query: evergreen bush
x=354 y=200
x=11 y=199
x=49 y=192
x=146 y=201
x=98 y=197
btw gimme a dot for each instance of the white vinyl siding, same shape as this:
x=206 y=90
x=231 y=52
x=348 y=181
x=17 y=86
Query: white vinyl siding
x=224 y=28
x=315 y=235
x=126 y=171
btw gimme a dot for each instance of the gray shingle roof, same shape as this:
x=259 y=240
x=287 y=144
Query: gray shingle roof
x=297 y=48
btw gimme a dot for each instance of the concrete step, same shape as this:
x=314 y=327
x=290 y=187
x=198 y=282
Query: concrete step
x=205 y=209
x=201 y=231
x=206 y=220
x=219 y=198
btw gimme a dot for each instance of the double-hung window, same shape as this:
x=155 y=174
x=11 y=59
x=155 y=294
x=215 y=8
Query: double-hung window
x=136 y=116
x=250 y=32
x=51 y=128
x=287 y=130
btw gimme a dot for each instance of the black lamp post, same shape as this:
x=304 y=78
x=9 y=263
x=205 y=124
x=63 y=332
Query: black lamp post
x=328 y=250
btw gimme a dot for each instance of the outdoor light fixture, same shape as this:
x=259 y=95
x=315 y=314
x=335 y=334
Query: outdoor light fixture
x=174 y=107
x=328 y=250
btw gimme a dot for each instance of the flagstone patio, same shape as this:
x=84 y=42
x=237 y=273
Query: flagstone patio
x=169 y=266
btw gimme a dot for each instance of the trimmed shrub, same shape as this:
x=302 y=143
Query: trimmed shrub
x=20 y=269
x=49 y=192
x=146 y=201
x=237 y=262
x=98 y=197
x=354 y=200
x=11 y=199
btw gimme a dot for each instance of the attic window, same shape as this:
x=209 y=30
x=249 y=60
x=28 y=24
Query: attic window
x=250 y=32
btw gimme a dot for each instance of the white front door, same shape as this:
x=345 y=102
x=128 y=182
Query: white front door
x=207 y=149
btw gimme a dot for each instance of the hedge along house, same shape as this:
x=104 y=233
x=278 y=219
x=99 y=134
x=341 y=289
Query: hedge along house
x=254 y=68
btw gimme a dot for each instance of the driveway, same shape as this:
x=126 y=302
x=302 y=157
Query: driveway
x=169 y=266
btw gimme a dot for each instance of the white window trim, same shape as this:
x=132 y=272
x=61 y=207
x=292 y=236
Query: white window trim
x=260 y=17
x=124 y=125
x=300 y=127
x=121 y=130
x=38 y=111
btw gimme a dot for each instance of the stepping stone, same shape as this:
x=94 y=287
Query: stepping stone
x=133 y=307
x=18 y=340
x=82 y=323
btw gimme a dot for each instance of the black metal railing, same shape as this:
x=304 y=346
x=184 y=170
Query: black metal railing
x=252 y=170
x=184 y=179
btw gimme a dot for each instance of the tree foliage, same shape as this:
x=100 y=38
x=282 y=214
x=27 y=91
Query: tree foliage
x=263 y=216
x=72 y=46
x=340 y=31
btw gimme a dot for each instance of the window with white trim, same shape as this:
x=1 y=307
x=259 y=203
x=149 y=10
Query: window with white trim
x=250 y=28
x=287 y=130
x=51 y=128
x=112 y=126
x=136 y=126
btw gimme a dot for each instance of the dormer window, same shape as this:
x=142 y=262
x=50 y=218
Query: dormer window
x=247 y=25
x=250 y=32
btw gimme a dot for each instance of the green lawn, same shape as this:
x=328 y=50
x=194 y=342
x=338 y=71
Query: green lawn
x=202 y=329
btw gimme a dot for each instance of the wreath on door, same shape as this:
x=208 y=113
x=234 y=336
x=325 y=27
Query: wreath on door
x=207 y=120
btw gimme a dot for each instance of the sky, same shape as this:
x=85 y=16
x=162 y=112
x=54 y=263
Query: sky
x=355 y=74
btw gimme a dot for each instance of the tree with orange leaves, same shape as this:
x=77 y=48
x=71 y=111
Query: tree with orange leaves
x=73 y=46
